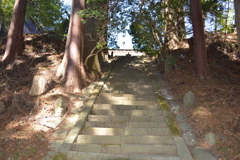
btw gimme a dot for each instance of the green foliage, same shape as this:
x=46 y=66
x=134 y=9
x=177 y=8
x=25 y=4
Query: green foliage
x=47 y=13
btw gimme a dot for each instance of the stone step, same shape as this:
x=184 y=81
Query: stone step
x=131 y=149
x=126 y=124
x=126 y=112
x=73 y=155
x=142 y=118
x=124 y=98
x=124 y=102
x=125 y=91
x=128 y=96
x=103 y=131
x=130 y=84
x=126 y=149
x=115 y=140
x=147 y=131
x=126 y=107
x=129 y=87
x=126 y=131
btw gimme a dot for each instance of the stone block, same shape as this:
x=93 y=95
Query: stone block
x=189 y=99
x=201 y=154
x=210 y=138
x=60 y=107
x=189 y=139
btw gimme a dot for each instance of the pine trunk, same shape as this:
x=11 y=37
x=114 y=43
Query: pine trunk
x=199 y=40
x=15 y=34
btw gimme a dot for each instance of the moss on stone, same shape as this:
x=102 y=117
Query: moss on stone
x=60 y=156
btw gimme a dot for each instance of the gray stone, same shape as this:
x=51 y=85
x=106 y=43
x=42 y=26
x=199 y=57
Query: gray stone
x=51 y=122
x=91 y=86
x=210 y=138
x=185 y=127
x=201 y=154
x=55 y=145
x=2 y=107
x=189 y=138
x=60 y=134
x=60 y=107
x=87 y=92
x=182 y=148
x=180 y=118
x=67 y=125
x=169 y=97
x=189 y=99
x=79 y=104
x=175 y=108
x=40 y=85
x=82 y=98
x=75 y=111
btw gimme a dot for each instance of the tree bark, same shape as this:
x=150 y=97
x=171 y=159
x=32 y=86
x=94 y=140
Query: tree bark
x=71 y=69
x=15 y=34
x=199 y=40
x=91 y=40
x=237 y=15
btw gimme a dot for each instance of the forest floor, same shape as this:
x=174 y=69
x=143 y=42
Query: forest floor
x=216 y=109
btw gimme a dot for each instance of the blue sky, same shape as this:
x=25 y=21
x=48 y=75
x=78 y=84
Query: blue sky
x=127 y=38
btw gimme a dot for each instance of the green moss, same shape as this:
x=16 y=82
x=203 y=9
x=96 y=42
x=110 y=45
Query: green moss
x=172 y=125
x=165 y=108
x=169 y=118
x=60 y=156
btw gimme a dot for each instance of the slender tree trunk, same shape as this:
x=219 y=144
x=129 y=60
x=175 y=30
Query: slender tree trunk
x=15 y=34
x=71 y=69
x=199 y=40
x=171 y=32
x=181 y=24
x=237 y=15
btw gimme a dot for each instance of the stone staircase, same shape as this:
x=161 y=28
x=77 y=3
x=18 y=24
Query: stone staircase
x=126 y=122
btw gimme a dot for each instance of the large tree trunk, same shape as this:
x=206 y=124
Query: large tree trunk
x=237 y=15
x=71 y=69
x=199 y=40
x=91 y=39
x=15 y=33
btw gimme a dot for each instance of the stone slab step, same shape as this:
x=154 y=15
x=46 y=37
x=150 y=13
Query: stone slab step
x=103 y=131
x=128 y=96
x=128 y=88
x=128 y=92
x=113 y=140
x=130 y=84
x=131 y=118
x=126 y=131
x=74 y=155
x=126 y=112
x=109 y=96
x=126 y=107
x=126 y=124
x=131 y=149
x=124 y=102
x=147 y=131
x=126 y=149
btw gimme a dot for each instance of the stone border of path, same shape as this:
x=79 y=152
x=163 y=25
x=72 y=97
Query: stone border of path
x=63 y=146
x=182 y=149
x=187 y=139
